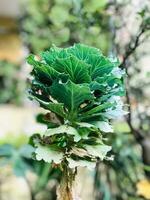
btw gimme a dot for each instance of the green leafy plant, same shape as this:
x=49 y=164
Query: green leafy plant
x=82 y=89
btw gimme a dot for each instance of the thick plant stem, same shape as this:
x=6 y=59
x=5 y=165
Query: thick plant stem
x=67 y=189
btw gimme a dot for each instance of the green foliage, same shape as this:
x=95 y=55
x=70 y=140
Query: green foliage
x=16 y=157
x=11 y=88
x=64 y=83
x=21 y=161
x=65 y=22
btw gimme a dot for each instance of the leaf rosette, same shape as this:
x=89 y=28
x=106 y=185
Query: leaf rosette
x=83 y=89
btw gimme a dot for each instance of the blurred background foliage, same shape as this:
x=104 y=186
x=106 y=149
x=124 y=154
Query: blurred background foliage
x=11 y=86
x=107 y=25
x=63 y=23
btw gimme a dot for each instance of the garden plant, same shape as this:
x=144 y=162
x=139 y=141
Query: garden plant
x=81 y=89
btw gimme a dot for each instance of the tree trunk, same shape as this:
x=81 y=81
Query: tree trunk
x=67 y=189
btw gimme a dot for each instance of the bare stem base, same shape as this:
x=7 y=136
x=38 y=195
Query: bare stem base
x=67 y=189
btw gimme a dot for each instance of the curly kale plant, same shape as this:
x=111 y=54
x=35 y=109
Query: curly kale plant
x=81 y=88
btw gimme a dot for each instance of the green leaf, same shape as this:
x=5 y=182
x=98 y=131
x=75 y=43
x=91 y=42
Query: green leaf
x=6 y=150
x=83 y=52
x=103 y=126
x=99 y=66
x=37 y=85
x=48 y=154
x=84 y=132
x=72 y=95
x=26 y=151
x=98 y=109
x=20 y=167
x=94 y=85
x=53 y=53
x=99 y=150
x=41 y=118
x=81 y=163
x=109 y=80
x=64 y=129
x=50 y=55
x=15 y=157
x=77 y=69
x=45 y=73
x=57 y=108
x=85 y=124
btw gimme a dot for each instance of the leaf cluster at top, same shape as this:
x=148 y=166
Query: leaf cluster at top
x=74 y=83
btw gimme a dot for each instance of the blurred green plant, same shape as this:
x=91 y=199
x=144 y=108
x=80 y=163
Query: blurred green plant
x=11 y=85
x=63 y=23
x=16 y=157
x=21 y=161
